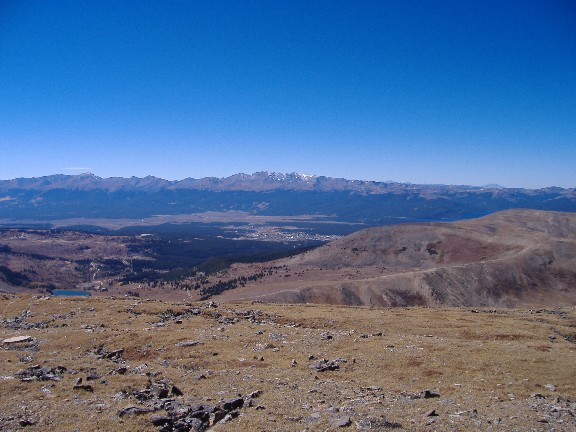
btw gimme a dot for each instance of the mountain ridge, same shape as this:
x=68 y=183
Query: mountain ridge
x=371 y=203
x=509 y=258
x=258 y=181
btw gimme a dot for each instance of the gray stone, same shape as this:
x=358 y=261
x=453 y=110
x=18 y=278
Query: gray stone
x=93 y=375
x=188 y=343
x=340 y=421
x=550 y=387
x=327 y=365
x=160 y=420
x=133 y=410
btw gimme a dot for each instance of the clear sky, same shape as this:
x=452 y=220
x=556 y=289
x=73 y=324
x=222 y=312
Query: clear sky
x=455 y=92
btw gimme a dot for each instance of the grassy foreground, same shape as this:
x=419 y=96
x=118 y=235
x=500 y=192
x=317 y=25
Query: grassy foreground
x=407 y=369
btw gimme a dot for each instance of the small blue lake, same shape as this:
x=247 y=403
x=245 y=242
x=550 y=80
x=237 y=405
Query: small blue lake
x=70 y=293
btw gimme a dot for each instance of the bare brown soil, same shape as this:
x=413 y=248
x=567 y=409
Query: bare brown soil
x=67 y=258
x=512 y=258
x=484 y=369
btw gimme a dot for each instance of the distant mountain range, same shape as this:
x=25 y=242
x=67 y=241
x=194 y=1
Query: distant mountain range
x=263 y=193
x=258 y=182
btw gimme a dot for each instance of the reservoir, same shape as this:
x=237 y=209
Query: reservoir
x=70 y=293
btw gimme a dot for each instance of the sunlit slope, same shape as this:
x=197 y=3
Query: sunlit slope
x=516 y=257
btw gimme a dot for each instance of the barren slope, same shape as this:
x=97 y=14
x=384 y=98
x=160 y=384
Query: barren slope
x=517 y=257
x=63 y=259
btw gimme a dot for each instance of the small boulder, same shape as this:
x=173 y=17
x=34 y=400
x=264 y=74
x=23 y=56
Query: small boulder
x=176 y=391
x=188 y=343
x=232 y=404
x=160 y=420
x=550 y=387
x=133 y=409
x=428 y=394
x=343 y=421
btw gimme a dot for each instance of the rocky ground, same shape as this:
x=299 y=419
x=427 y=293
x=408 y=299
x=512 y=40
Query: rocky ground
x=87 y=364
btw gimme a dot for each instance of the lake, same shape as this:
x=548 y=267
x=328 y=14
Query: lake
x=70 y=293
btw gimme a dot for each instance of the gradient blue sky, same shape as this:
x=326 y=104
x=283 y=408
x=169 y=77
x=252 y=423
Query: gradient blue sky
x=456 y=92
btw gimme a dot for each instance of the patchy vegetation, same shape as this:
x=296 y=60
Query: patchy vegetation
x=44 y=260
x=94 y=364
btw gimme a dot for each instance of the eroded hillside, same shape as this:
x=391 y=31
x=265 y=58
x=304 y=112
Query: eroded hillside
x=511 y=258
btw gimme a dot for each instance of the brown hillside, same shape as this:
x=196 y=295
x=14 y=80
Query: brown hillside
x=511 y=258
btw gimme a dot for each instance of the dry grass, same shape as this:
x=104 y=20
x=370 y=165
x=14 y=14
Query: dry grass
x=488 y=361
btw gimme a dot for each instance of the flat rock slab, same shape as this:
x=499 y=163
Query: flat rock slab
x=18 y=339
x=188 y=343
x=343 y=421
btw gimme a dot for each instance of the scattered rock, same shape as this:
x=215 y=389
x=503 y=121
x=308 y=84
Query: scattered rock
x=188 y=343
x=176 y=391
x=431 y=413
x=550 y=387
x=133 y=409
x=328 y=365
x=428 y=394
x=249 y=397
x=232 y=404
x=26 y=359
x=326 y=336
x=159 y=420
x=17 y=339
x=192 y=417
x=102 y=353
x=261 y=347
x=19 y=322
x=26 y=422
x=340 y=421
x=42 y=373
x=216 y=416
x=93 y=375
x=313 y=418
x=376 y=423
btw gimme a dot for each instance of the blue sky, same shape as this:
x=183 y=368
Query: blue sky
x=455 y=92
